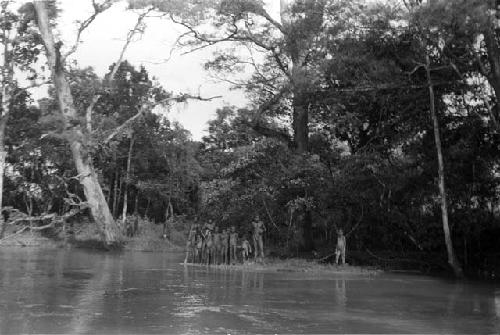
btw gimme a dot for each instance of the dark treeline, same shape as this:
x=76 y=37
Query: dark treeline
x=380 y=119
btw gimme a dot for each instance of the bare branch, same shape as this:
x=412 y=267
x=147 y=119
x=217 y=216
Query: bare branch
x=415 y=69
x=88 y=112
x=357 y=224
x=16 y=233
x=275 y=23
x=74 y=200
x=124 y=125
x=149 y=106
x=203 y=38
x=139 y=27
x=98 y=8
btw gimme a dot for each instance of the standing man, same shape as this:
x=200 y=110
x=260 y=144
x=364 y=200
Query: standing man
x=199 y=246
x=233 y=241
x=191 y=242
x=217 y=245
x=209 y=247
x=341 y=246
x=258 y=240
x=206 y=230
x=246 y=249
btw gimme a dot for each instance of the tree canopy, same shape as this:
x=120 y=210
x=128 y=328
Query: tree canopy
x=377 y=118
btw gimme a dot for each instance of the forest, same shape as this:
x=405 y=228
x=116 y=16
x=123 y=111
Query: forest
x=376 y=117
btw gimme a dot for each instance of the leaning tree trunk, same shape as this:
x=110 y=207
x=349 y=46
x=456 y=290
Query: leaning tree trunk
x=493 y=77
x=452 y=260
x=127 y=177
x=3 y=121
x=73 y=131
x=115 y=193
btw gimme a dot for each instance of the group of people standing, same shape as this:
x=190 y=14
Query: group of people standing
x=207 y=244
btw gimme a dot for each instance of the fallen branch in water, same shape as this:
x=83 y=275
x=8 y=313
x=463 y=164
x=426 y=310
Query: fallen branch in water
x=50 y=225
x=33 y=218
x=52 y=216
x=12 y=235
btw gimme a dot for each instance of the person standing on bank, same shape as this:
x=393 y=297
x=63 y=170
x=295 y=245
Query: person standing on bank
x=206 y=231
x=258 y=240
x=341 y=246
x=233 y=244
x=246 y=249
x=217 y=245
x=191 y=243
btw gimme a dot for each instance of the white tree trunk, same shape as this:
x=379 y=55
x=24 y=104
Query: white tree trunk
x=2 y=171
x=127 y=177
x=73 y=131
x=452 y=260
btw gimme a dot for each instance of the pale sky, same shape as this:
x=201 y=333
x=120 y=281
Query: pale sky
x=103 y=40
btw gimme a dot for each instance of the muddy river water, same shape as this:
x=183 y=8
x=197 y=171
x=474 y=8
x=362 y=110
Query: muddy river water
x=75 y=291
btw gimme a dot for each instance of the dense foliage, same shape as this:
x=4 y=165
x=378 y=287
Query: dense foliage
x=339 y=133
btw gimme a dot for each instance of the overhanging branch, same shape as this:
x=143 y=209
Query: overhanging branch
x=138 y=28
x=149 y=106
x=98 y=8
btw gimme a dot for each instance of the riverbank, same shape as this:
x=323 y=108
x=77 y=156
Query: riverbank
x=151 y=240
x=294 y=265
x=87 y=236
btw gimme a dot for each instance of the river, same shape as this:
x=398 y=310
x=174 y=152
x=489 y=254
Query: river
x=77 y=291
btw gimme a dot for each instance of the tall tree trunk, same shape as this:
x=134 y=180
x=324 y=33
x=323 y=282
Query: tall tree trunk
x=73 y=131
x=6 y=98
x=127 y=177
x=147 y=208
x=452 y=260
x=115 y=193
x=300 y=112
x=3 y=121
x=301 y=140
x=136 y=203
x=300 y=123
x=493 y=51
x=118 y=197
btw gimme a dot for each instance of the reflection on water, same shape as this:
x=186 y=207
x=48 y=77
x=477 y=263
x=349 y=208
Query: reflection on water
x=61 y=291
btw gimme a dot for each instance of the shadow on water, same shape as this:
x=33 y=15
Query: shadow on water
x=77 y=291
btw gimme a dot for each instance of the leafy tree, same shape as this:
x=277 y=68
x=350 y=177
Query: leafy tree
x=20 y=47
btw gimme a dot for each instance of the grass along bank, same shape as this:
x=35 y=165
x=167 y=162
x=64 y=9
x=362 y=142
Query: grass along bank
x=295 y=265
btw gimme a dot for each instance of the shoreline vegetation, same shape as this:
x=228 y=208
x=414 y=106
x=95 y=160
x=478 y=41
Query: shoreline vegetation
x=293 y=265
x=84 y=234
x=362 y=129
x=270 y=265
x=149 y=239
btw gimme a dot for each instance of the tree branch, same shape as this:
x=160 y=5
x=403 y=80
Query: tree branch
x=98 y=8
x=357 y=224
x=139 y=27
x=201 y=37
x=150 y=106
x=275 y=23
